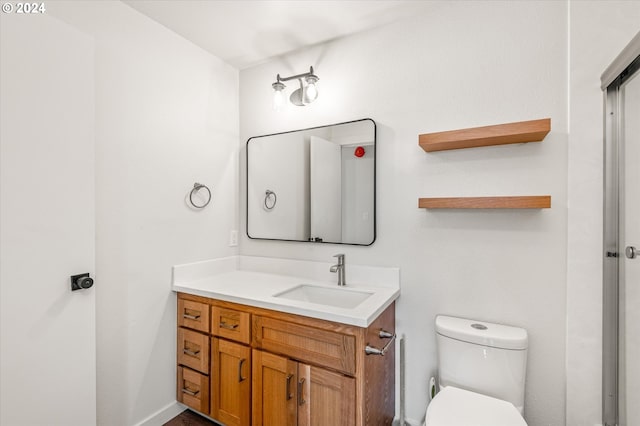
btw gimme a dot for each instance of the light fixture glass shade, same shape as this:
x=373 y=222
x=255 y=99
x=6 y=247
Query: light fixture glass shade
x=311 y=91
x=278 y=96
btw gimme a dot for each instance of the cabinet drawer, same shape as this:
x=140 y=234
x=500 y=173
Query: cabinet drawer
x=316 y=346
x=193 y=315
x=193 y=350
x=193 y=389
x=231 y=324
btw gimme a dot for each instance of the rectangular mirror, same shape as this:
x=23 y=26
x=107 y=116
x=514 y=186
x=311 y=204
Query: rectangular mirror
x=314 y=185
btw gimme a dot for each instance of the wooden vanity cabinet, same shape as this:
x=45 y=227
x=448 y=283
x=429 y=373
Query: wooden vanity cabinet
x=286 y=392
x=270 y=368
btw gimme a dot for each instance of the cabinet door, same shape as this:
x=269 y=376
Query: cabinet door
x=274 y=397
x=231 y=385
x=325 y=398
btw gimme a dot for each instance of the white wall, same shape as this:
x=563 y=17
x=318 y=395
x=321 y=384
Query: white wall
x=464 y=64
x=166 y=117
x=599 y=30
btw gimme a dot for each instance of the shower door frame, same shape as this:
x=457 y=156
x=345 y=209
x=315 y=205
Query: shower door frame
x=623 y=67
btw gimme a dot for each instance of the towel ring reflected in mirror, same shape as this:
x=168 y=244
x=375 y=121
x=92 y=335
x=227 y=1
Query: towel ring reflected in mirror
x=270 y=199
x=196 y=189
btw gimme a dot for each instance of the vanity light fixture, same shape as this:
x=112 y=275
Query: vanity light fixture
x=301 y=96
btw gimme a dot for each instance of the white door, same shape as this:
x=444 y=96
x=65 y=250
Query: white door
x=326 y=190
x=629 y=363
x=47 y=339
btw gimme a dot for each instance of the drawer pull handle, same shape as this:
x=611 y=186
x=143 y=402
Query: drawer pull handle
x=240 y=378
x=190 y=392
x=190 y=352
x=287 y=388
x=301 y=399
x=191 y=317
x=228 y=326
x=369 y=350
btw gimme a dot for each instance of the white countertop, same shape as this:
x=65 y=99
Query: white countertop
x=253 y=281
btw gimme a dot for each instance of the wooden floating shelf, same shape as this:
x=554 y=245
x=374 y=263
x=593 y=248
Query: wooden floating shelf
x=501 y=134
x=519 y=202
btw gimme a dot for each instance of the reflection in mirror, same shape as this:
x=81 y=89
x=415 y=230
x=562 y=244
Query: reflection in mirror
x=313 y=185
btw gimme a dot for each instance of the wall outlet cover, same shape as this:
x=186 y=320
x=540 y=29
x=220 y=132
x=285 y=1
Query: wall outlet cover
x=233 y=238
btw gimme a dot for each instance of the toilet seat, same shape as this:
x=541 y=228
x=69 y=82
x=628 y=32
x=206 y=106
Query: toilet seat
x=458 y=407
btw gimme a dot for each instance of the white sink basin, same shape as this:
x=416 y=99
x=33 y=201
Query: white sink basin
x=337 y=297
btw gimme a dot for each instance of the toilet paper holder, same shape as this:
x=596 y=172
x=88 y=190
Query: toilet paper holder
x=370 y=350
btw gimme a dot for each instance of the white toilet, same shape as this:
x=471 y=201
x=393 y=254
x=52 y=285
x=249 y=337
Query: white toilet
x=481 y=367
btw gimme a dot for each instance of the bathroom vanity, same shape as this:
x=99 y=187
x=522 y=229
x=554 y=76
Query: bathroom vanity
x=250 y=351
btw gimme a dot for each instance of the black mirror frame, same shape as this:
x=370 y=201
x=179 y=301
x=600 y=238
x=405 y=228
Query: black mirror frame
x=375 y=185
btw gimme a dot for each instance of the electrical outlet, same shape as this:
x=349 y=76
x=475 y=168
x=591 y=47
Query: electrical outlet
x=233 y=238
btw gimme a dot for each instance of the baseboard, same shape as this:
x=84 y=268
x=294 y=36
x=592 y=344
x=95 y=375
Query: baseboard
x=163 y=415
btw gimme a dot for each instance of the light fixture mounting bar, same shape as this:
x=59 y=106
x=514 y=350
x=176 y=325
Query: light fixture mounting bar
x=297 y=76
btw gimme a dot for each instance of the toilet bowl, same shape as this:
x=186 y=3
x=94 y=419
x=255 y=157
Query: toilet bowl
x=481 y=368
x=458 y=407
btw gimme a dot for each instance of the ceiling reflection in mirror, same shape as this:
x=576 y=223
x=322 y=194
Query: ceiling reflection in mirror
x=313 y=185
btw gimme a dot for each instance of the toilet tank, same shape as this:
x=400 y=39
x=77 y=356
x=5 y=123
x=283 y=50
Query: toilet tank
x=482 y=357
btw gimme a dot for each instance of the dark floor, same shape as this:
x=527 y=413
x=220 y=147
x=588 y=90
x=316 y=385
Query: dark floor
x=189 y=418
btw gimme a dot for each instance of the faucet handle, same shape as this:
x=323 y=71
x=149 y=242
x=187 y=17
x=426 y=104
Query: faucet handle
x=340 y=257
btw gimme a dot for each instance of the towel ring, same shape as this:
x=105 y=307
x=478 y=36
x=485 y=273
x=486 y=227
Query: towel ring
x=270 y=196
x=196 y=188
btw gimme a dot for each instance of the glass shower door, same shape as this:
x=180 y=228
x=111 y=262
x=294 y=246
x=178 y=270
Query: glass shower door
x=621 y=297
x=629 y=249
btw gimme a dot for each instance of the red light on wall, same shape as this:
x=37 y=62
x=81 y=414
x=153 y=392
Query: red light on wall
x=359 y=152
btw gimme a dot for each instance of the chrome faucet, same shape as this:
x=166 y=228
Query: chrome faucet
x=339 y=268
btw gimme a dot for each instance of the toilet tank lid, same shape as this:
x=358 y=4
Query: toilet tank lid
x=482 y=333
